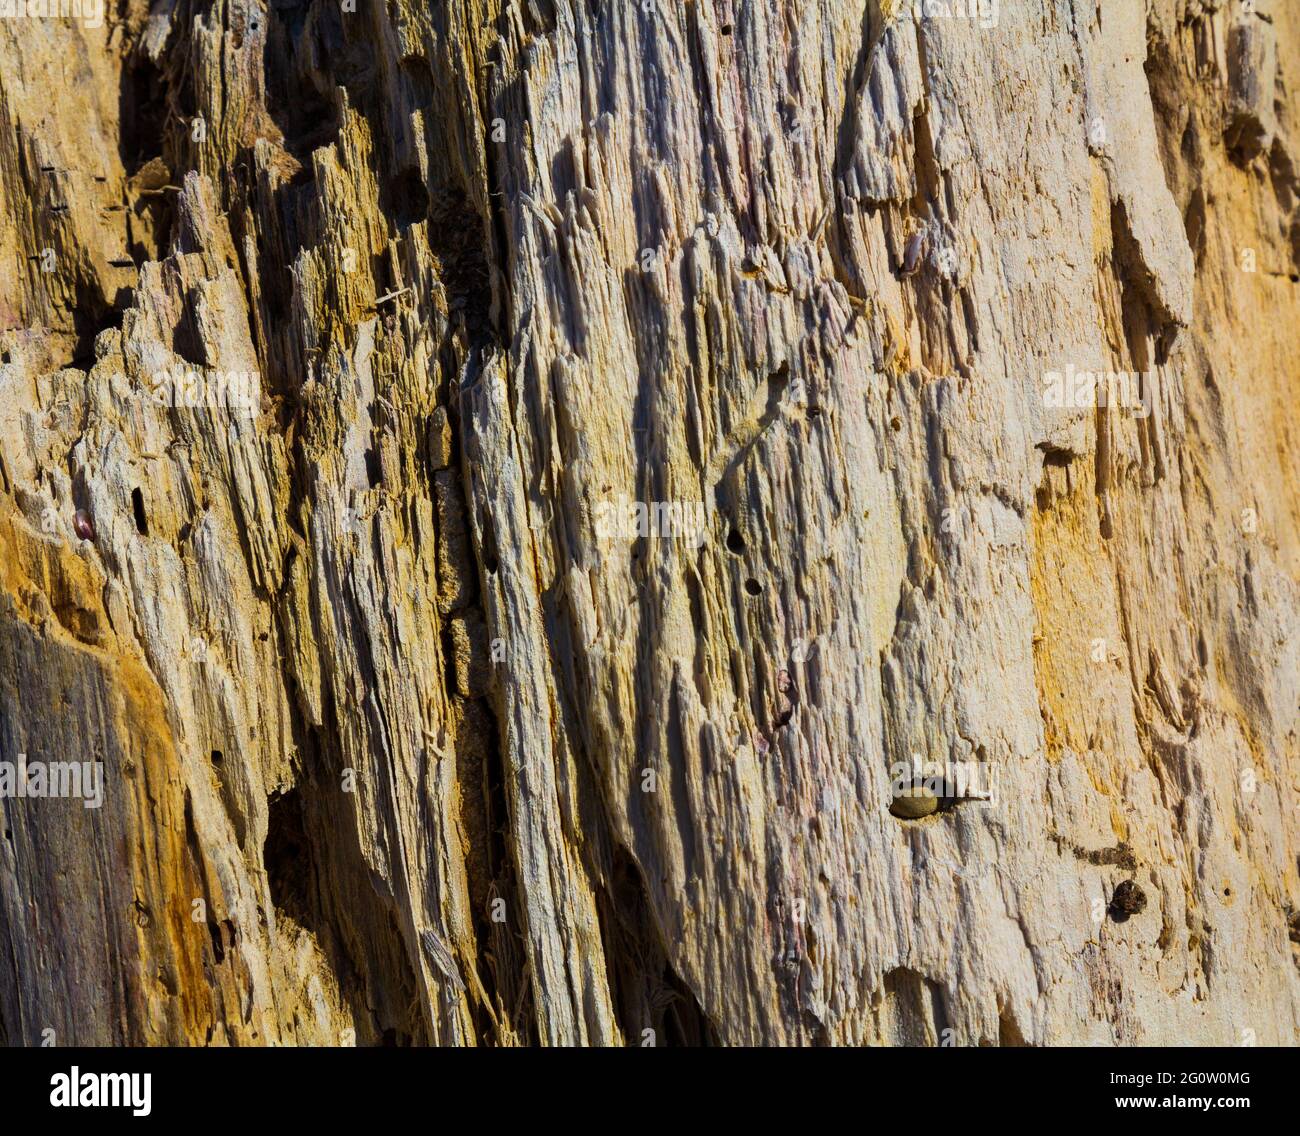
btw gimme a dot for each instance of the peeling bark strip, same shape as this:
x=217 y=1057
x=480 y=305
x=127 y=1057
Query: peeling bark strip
x=658 y=423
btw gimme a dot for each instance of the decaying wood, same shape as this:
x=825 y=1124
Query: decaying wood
x=416 y=729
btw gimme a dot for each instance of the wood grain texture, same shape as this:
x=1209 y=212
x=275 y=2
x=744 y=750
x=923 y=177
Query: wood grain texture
x=641 y=440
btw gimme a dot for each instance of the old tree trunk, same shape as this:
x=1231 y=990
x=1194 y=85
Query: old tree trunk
x=656 y=438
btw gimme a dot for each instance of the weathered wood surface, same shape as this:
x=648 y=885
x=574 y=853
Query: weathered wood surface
x=448 y=753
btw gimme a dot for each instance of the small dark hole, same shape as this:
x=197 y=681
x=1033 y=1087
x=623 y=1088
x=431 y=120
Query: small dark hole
x=735 y=542
x=753 y=587
x=137 y=507
x=288 y=856
x=410 y=197
x=489 y=544
x=217 y=948
x=726 y=29
x=374 y=471
x=895 y=423
x=217 y=757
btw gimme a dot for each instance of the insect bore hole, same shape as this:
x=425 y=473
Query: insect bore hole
x=137 y=507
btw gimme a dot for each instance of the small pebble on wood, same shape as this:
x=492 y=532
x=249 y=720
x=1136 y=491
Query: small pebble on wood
x=914 y=804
